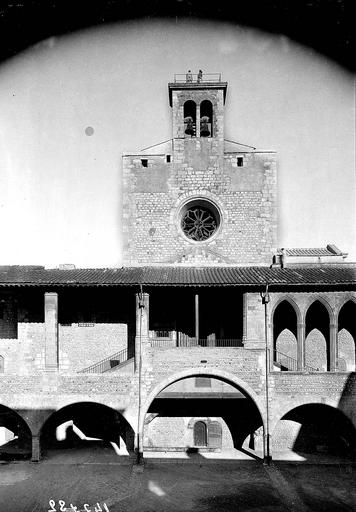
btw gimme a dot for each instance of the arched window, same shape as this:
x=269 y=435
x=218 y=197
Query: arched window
x=285 y=336
x=1 y=364
x=200 y=434
x=317 y=337
x=206 y=119
x=190 y=110
x=346 y=337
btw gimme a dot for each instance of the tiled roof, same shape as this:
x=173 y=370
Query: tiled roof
x=178 y=276
x=313 y=251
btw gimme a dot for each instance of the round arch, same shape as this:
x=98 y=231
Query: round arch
x=313 y=427
x=196 y=372
x=89 y=420
x=14 y=428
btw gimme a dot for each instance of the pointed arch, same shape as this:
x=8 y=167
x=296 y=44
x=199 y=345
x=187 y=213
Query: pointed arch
x=317 y=335
x=285 y=333
x=322 y=301
x=346 y=336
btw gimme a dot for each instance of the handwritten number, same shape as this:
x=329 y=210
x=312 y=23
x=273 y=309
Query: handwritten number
x=62 y=505
x=98 y=508
x=106 y=507
x=52 y=504
x=74 y=508
x=86 y=507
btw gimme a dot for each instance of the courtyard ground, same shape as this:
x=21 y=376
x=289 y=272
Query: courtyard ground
x=93 y=477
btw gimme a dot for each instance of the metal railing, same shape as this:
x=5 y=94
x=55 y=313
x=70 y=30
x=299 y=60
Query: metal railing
x=108 y=363
x=290 y=363
x=206 y=77
x=194 y=342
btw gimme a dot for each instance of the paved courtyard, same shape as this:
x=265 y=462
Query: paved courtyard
x=163 y=486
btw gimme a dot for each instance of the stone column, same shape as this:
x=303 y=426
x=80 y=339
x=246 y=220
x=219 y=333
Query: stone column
x=197 y=125
x=142 y=323
x=333 y=347
x=301 y=346
x=51 y=331
x=36 y=449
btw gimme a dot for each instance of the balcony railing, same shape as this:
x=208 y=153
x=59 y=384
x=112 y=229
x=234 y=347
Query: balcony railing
x=108 y=363
x=288 y=363
x=194 y=342
x=207 y=77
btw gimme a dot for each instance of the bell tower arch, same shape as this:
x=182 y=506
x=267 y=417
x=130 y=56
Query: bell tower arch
x=199 y=102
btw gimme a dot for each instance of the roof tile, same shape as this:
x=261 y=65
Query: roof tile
x=178 y=276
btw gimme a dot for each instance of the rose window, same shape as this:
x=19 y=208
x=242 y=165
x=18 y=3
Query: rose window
x=199 y=222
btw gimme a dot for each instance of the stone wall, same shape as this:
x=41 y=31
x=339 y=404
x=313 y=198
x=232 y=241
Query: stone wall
x=162 y=363
x=177 y=433
x=80 y=345
x=154 y=195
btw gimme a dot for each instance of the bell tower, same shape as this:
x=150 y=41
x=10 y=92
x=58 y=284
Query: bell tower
x=198 y=106
x=198 y=202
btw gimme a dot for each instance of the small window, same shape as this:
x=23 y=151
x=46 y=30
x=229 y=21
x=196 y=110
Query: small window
x=2 y=310
x=168 y=159
x=202 y=382
x=2 y=364
x=144 y=162
x=240 y=161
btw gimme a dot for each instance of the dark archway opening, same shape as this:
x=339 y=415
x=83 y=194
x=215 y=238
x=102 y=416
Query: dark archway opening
x=316 y=429
x=206 y=119
x=15 y=436
x=317 y=337
x=190 y=110
x=87 y=425
x=204 y=414
x=285 y=337
x=346 y=343
x=173 y=320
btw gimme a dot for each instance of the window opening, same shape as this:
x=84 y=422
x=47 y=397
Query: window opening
x=206 y=119
x=240 y=161
x=1 y=364
x=199 y=220
x=144 y=162
x=168 y=159
x=190 y=118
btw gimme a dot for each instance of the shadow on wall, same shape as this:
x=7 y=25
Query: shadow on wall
x=321 y=429
x=15 y=436
x=79 y=425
